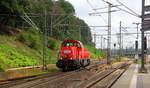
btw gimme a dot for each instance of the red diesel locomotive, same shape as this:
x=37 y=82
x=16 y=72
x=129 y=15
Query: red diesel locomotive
x=72 y=55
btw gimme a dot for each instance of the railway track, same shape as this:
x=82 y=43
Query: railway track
x=104 y=79
x=36 y=79
x=90 y=77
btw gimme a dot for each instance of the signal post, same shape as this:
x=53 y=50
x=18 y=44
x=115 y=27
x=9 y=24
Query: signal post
x=145 y=27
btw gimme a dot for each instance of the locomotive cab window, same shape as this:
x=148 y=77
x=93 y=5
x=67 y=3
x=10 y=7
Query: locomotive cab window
x=67 y=44
x=79 y=46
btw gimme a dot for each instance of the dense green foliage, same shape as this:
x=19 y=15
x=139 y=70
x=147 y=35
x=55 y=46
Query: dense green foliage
x=11 y=10
x=53 y=44
x=30 y=38
x=67 y=7
x=44 y=13
x=15 y=54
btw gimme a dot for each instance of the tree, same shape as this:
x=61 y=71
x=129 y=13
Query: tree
x=12 y=11
x=68 y=8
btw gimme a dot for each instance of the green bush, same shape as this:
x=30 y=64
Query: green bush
x=22 y=37
x=2 y=63
x=94 y=53
x=35 y=42
x=11 y=58
x=34 y=31
x=15 y=59
x=30 y=38
x=53 y=44
x=2 y=68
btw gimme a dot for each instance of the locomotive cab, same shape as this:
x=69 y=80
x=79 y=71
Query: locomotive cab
x=72 y=55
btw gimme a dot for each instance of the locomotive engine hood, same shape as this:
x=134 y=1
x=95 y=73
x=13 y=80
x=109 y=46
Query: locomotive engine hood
x=67 y=53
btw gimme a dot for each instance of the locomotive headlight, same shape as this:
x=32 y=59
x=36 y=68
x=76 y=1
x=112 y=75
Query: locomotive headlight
x=61 y=58
x=67 y=51
x=70 y=58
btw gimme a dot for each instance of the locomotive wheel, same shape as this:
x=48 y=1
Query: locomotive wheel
x=83 y=63
x=65 y=68
x=88 y=61
x=78 y=65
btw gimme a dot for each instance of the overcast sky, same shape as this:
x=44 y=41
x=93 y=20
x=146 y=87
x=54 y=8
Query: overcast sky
x=84 y=7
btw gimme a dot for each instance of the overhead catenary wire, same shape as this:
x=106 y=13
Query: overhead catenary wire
x=62 y=20
x=103 y=12
x=90 y=4
x=58 y=21
x=25 y=17
x=122 y=33
x=28 y=20
x=105 y=7
x=96 y=11
x=127 y=11
x=131 y=13
x=128 y=8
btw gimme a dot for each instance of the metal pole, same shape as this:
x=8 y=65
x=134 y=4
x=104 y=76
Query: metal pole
x=101 y=42
x=109 y=34
x=80 y=34
x=95 y=39
x=142 y=69
x=122 y=44
x=148 y=43
x=45 y=43
x=137 y=39
x=51 y=25
x=114 y=49
x=142 y=57
x=137 y=30
x=136 y=42
x=126 y=51
x=104 y=43
x=120 y=40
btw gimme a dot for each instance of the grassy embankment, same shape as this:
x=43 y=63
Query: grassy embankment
x=25 y=49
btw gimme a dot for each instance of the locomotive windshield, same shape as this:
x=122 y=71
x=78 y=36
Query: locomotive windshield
x=75 y=44
x=66 y=44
